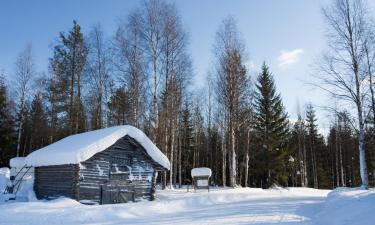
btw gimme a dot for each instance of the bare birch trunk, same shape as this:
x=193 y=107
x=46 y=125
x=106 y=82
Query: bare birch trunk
x=232 y=167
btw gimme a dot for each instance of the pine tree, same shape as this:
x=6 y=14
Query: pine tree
x=271 y=128
x=7 y=132
x=69 y=60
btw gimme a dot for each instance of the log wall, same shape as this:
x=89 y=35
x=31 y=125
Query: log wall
x=55 y=181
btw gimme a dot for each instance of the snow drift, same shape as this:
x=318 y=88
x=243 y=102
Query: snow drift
x=348 y=206
x=80 y=147
x=4 y=178
x=17 y=162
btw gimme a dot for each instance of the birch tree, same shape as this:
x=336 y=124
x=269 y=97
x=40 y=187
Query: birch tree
x=232 y=85
x=341 y=67
x=152 y=22
x=97 y=68
x=131 y=63
x=24 y=73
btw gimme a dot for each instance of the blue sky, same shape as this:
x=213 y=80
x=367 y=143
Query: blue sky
x=287 y=34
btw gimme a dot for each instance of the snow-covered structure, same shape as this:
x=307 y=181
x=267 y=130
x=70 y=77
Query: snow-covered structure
x=18 y=170
x=201 y=171
x=111 y=165
x=201 y=177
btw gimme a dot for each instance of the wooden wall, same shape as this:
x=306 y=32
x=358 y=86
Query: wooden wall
x=54 y=181
x=93 y=173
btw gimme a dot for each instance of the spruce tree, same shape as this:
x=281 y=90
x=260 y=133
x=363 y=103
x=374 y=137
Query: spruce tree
x=7 y=131
x=271 y=128
x=187 y=141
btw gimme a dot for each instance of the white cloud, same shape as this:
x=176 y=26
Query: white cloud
x=289 y=57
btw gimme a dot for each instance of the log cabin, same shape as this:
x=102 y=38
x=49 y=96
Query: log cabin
x=106 y=166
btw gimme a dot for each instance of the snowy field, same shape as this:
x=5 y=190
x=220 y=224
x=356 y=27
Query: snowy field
x=219 y=206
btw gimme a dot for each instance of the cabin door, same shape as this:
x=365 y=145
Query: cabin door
x=112 y=194
x=119 y=188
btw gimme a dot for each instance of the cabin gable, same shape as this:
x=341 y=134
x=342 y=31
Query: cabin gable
x=123 y=167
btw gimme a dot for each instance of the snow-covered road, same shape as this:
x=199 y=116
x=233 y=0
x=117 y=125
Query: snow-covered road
x=219 y=206
x=245 y=206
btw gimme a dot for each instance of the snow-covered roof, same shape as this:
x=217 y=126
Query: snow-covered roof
x=201 y=171
x=17 y=162
x=80 y=147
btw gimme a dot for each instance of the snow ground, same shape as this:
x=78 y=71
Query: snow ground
x=219 y=206
x=292 y=206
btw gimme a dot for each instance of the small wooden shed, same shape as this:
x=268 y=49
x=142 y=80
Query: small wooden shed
x=111 y=165
x=201 y=178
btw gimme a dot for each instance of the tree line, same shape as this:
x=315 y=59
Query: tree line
x=237 y=124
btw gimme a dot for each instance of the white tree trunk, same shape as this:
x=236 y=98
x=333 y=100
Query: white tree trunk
x=362 y=156
x=233 y=164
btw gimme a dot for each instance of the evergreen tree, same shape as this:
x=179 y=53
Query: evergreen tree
x=118 y=108
x=38 y=124
x=297 y=142
x=68 y=63
x=271 y=128
x=312 y=136
x=187 y=140
x=343 y=155
x=7 y=131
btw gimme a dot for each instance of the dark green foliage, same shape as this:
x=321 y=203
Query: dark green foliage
x=187 y=142
x=118 y=106
x=271 y=128
x=67 y=67
x=342 y=145
x=7 y=131
x=317 y=153
x=38 y=123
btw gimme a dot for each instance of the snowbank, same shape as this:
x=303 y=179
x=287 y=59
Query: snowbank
x=17 y=162
x=348 y=206
x=25 y=192
x=80 y=147
x=201 y=171
x=4 y=178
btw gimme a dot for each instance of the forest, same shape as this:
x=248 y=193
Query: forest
x=236 y=125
